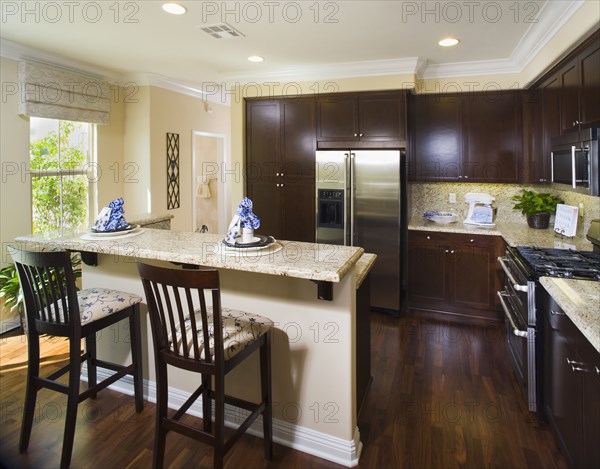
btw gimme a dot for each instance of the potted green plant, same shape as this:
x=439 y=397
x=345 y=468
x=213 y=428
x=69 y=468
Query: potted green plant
x=537 y=207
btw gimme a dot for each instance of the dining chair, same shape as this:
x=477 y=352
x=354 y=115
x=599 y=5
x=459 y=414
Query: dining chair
x=209 y=340
x=54 y=307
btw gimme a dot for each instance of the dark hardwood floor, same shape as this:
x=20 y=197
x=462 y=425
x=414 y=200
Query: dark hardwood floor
x=442 y=396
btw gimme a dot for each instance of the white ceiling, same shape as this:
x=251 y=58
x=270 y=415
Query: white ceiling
x=302 y=39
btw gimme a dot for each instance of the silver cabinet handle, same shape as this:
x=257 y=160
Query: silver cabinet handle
x=597 y=371
x=356 y=135
x=551 y=166
x=277 y=174
x=459 y=177
x=573 y=167
x=515 y=329
x=281 y=174
x=556 y=313
x=471 y=240
x=516 y=286
x=361 y=135
x=466 y=177
x=428 y=237
x=452 y=252
x=576 y=366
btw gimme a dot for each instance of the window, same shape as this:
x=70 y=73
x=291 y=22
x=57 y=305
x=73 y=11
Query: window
x=62 y=174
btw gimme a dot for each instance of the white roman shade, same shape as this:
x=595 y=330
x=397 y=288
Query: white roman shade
x=56 y=93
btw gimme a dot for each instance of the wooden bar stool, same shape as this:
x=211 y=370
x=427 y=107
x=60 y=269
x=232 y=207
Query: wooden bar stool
x=196 y=347
x=54 y=307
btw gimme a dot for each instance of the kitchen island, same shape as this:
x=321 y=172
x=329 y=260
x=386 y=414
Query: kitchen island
x=314 y=347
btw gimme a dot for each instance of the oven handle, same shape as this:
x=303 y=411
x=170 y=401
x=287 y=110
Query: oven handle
x=515 y=329
x=516 y=286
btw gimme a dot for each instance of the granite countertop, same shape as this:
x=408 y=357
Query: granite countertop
x=320 y=262
x=363 y=267
x=147 y=218
x=580 y=300
x=515 y=234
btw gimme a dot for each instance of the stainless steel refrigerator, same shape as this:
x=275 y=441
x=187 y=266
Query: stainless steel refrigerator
x=361 y=201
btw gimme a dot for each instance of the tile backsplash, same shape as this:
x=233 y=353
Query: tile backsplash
x=434 y=196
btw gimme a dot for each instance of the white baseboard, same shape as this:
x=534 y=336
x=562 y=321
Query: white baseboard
x=322 y=445
x=9 y=324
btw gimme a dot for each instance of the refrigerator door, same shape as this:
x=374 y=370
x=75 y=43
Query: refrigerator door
x=376 y=183
x=332 y=197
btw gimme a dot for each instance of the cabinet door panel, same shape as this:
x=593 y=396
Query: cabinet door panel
x=472 y=281
x=426 y=275
x=299 y=212
x=338 y=118
x=493 y=123
x=266 y=199
x=590 y=89
x=263 y=140
x=299 y=145
x=382 y=117
x=569 y=96
x=437 y=146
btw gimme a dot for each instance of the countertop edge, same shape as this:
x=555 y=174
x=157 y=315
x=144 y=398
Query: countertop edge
x=580 y=315
x=363 y=267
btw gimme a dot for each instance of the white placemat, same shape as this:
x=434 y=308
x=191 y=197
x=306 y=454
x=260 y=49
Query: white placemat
x=107 y=237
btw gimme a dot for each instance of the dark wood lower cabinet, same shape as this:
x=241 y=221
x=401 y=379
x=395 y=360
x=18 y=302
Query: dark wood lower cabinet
x=454 y=273
x=571 y=389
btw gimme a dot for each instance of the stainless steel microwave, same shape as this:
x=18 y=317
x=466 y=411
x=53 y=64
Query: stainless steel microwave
x=574 y=162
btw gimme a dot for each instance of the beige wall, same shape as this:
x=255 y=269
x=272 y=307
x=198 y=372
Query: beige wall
x=177 y=113
x=15 y=189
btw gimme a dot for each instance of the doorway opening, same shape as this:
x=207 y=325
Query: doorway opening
x=209 y=195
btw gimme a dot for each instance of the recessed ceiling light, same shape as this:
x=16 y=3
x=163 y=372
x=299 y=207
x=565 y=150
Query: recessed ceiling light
x=448 y=42
x=255 y=58
x=174 y=8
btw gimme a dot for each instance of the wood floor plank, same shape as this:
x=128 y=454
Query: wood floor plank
x=442 y=395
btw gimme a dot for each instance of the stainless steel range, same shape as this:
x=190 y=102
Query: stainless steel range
x=521 y=303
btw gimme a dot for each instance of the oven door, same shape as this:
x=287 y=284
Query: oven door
x=517 y=300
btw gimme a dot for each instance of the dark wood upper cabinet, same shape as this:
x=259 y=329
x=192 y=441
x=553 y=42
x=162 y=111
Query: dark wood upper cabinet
x=337 y=118
x=280 y=165
x=590 y=87
x=467 y=137
x=436 y=137
x=362 y=117
x=569 y=96
x=493 y=144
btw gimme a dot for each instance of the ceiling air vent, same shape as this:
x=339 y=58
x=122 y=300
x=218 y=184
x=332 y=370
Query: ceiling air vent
x=221 y=31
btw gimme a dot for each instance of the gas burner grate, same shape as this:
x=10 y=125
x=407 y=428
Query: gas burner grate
x=562 y=262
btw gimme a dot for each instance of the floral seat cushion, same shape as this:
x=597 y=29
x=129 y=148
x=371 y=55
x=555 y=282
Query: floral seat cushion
x=96 y=303
x=240 y=329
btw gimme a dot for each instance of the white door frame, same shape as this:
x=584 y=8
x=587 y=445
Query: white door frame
x=223 y=184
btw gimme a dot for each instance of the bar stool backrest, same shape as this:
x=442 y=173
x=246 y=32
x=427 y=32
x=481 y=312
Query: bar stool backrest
x=170 y=296
x=49 y=291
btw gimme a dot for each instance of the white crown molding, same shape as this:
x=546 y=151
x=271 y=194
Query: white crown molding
x=553 y=15
x=307 y=440
x=207 y=91
x=370 y=68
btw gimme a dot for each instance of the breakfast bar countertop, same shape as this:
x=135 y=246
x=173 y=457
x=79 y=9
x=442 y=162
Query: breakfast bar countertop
x=319 y=262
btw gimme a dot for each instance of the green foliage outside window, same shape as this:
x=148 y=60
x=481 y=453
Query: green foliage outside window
x=59 y=201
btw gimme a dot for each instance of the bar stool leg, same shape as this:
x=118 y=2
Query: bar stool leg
x=265 y=379
x=33 y=371
x=90 y=347
x=160 y=437
x=72 y=401
x=219 y=448
x=135 y=333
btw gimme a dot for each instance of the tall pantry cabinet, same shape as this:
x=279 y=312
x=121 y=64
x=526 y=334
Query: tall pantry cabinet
x=280 y=165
